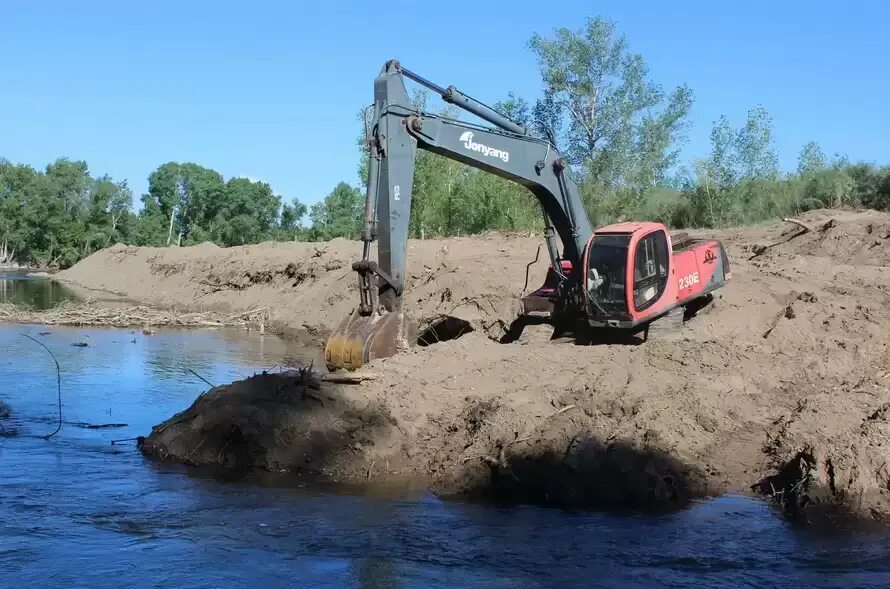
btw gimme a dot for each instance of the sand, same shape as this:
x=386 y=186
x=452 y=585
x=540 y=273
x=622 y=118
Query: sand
x=780 y=386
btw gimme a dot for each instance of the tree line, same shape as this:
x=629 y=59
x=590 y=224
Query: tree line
x=620 y=132
x=54 y=217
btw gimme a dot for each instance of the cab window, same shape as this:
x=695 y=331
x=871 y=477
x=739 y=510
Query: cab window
x=650 y=269
x=606 y=271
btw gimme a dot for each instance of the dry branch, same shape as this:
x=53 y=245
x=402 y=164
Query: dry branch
x=787 y=312
x=801 y=224
x=347 y=378
x=139 y=316
x=759 y=250
x=560 y=411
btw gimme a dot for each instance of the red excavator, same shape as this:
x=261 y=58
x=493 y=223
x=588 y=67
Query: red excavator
x=618 y=277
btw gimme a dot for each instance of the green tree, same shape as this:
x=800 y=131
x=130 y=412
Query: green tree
x=618 y=129
x=756 y=157
x=339 y=214
x=721 y=165
x=183 y=195
x=515 y=108
x=810 y=159
x=248 y=213
x=291 y=215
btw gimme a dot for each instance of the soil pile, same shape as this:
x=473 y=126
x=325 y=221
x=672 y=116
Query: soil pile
x=308 y=288
x=781 y=384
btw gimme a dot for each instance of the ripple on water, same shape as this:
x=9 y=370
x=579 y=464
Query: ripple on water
x=78 y=512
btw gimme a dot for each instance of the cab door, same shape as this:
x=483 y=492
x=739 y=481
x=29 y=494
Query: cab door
x=650 y=272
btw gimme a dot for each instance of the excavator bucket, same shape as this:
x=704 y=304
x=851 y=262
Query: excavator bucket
x=362 y=338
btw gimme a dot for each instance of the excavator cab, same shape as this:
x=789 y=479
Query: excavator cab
x=636 y=272
x=626 y=269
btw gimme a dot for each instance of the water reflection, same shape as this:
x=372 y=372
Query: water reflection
x=40 y=293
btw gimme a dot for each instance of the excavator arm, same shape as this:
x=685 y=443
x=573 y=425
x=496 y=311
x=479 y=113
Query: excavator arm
x=378 y=327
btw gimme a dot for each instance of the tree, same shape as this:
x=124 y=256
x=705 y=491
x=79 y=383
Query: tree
x=615 y=129
x=17 y=187
x=756 y=157
x=247 y=214
x=185 y=196
x=110 y=201
x=721 y=165
x=810 y=159
x=339 y=214
x=291 y=214
x=515 y=108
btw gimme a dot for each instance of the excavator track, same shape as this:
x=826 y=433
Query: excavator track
x=668 y=327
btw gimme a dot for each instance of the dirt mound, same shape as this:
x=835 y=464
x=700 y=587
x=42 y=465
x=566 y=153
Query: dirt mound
x=295 y=421
x=861 y=238
x=779 y=383
x=308 y=288
x=283 y=421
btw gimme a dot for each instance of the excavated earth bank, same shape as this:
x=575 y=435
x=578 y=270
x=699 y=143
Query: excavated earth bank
x=780 y=386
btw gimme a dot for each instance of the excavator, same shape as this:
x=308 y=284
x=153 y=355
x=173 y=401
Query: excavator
x=619 y=277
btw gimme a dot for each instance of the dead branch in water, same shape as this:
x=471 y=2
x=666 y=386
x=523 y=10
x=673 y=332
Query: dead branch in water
x=58 y=382
x=201 y=377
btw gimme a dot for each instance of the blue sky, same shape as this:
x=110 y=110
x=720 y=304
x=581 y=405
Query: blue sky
x=270 y=90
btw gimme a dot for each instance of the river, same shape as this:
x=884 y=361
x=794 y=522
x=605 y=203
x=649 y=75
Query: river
x=77 y=511
x=19 y=287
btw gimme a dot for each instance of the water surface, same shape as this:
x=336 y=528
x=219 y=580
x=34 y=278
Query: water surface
x=76 y=511
x=17 y=287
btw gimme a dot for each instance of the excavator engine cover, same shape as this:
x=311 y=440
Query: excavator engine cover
x=362 y=338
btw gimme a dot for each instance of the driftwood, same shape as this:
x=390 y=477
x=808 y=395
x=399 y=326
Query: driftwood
x=560 y=411
x=85 y=425
x=138 y=316
x=759 y=250
x=800 y=224
x=347 y=378
x=787 y=312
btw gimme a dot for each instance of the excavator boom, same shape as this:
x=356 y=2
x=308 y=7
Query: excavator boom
x=378 y=327
x=622 y=276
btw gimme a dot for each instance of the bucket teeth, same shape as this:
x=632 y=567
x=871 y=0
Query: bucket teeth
x=362 y=338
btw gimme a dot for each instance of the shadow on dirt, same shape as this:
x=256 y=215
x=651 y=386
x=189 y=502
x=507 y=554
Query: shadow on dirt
x=294 y=422
x=442 y=329
x=584 y=335
x=528 y=328
x=288 y=421
x=591 y=474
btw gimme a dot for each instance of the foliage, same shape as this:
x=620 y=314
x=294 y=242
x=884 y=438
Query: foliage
x=620 y=132
x=339 y=214
x=615 y=125
x=56 y=216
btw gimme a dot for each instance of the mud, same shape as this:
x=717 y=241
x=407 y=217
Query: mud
x=780 y=386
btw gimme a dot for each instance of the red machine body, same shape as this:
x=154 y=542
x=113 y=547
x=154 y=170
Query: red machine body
x=636 y=272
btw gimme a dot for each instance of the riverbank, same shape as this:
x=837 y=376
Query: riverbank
x=780 y=386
